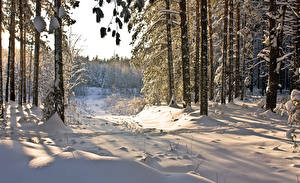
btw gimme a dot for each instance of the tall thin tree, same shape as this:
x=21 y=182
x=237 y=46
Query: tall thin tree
x=211 y=54
x=172 y=98
x=12 y=50
x=21 y=20
x=230 y=52
x=237 y=50
x=1 y=76
x=273 y=76
x=197 y=57
x=58 y=80
x=185 y=55
x=203 y=65
x=224 y=58
x=36 y=58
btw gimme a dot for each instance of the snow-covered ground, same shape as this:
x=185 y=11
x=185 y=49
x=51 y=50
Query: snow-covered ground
x=236 y=143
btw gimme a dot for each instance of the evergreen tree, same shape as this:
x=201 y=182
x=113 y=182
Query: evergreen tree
x=185 y=55
x=274 y=54
x=36 y=58
x=197 y=57
x=1 y=64
x=12 y=49
x=58 y=81
x=237 y=50
x=224 y=58
x=203 y=65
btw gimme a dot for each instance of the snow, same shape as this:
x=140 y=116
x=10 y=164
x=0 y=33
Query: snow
x=54 y=125
x=236 y=142
x=70 y=165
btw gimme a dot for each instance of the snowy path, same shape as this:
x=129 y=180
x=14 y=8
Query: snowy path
x=235 y=143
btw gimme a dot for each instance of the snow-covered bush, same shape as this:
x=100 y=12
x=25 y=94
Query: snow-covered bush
x=293 y=109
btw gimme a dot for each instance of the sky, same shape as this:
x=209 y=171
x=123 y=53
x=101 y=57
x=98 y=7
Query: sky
x=91 y=43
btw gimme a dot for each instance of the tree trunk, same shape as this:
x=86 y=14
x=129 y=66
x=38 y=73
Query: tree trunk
x=24 y=68
x=12 y=52
x=36 y=59
x=211 y=56
x=274 y=53
x=29 y=74
x=197 y=57
x=230 y=53
x=185 y=55
x=225 y=33
x=243 y=62
x=21 y=52
x=58 y=81
x=172 y=97
x=237 y=50
x=203 y=65
x=1 y=75
x=7 y=73
x=296 y=43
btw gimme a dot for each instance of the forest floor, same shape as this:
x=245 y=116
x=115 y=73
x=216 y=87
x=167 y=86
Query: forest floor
x=236 y=143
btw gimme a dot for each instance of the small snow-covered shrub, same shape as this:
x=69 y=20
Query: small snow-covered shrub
x=293 y=109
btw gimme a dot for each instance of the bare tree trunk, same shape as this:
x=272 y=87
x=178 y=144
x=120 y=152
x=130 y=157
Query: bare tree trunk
x=24 y=68
x=36 y=59
x=225 y=33
x=243 y=63
x=211 y=55
x=1 y=75
x=12 y=52
x=172 y=98
x=30 y=71
x=237 y=50
x=203 y=65
x=59 y=81
x=21 y=52
x=185 y=55
x=273 y=76
x=230 y=53
x=7 y=73
x=197 y=57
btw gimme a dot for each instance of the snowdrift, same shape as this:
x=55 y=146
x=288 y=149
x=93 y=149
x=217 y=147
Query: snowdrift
x=28 y=162
x=55 y=125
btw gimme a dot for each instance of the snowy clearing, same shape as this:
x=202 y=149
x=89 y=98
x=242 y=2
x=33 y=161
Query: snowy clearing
x=236 y=143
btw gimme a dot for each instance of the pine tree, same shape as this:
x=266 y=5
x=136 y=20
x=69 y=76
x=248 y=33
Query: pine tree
x=59 y=81
x=1 y=75
x=230 y=52
x=172 y=98
x=21 y=79
x=36 y=58
x=243 y=61
x=211 y=55
x=224 y=59
x=203 y=65
x=237 y=50
x=185 y=55
x=197 y=57
x=274 y=53
x=12 y=50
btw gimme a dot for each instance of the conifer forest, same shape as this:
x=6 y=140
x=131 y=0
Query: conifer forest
x=150 y=91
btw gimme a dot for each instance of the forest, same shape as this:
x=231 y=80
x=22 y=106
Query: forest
x=210 y=91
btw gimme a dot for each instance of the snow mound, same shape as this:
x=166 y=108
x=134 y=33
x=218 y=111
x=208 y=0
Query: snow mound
x=75 y=166
x=54 y=125
x=160 y=117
